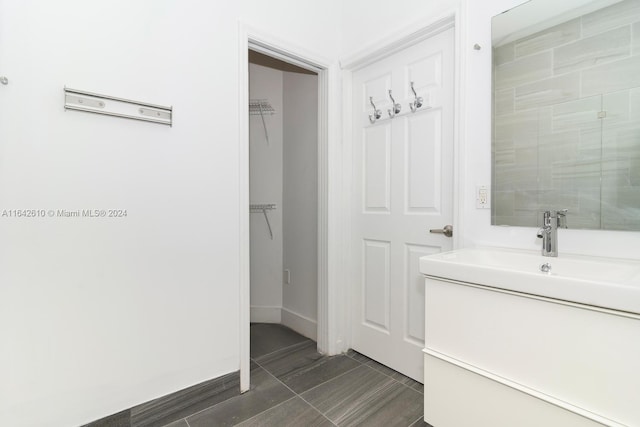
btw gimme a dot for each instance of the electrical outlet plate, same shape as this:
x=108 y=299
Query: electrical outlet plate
x=482 y=197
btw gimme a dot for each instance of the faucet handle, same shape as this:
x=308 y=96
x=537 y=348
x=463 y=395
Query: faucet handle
x=562 y=218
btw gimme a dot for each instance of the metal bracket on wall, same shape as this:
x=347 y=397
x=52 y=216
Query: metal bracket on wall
x=263 y=208
x=261 y=107
x=79 y=100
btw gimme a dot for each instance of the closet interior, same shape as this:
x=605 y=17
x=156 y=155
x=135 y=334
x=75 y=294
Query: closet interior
x=283 y=179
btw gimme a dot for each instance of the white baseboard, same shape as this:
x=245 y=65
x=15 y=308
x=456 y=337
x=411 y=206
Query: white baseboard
x=261 y=314
x=299 y=323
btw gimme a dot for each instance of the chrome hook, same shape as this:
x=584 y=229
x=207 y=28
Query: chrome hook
x=376 y=113
x=417 y=103
x=396 y=107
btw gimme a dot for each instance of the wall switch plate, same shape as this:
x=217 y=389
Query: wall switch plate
x=482 y=197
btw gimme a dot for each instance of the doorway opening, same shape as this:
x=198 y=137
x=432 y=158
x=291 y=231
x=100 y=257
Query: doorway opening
x=283 y=181
x=283 y=193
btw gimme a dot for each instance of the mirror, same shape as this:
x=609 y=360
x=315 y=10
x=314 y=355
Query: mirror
x=566 y=113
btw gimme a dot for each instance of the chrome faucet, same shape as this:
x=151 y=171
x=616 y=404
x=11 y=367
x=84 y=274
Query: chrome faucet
x=551 y=221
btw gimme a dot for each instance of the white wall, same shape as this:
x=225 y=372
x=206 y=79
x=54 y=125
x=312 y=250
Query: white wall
x=96 y=316
x=372 y=23
x=300 y=296
x=100 y=315
x=265 y=182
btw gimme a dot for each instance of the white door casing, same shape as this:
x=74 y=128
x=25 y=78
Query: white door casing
x=403 y=186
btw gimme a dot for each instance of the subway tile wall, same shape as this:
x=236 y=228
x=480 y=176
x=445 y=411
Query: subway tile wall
x=566 y=105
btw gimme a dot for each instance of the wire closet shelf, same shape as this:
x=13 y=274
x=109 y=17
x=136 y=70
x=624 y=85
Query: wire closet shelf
x=260 y=107
x=263 y=208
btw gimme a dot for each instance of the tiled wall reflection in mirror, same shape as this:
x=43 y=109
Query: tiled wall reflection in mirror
x=566 y=122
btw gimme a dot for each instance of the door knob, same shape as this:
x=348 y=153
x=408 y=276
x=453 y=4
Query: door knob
x=447 y=230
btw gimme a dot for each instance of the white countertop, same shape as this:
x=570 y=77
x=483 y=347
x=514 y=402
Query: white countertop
x=603 y=282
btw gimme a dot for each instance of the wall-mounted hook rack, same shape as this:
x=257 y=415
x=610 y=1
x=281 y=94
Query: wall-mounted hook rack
x=376 y=113
x=396 y=107
x=417 y=102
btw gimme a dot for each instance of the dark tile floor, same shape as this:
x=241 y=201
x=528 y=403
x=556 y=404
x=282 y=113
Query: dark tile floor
x=293 y=385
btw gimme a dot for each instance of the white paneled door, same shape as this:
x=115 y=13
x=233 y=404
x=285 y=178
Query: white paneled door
x=403 y=185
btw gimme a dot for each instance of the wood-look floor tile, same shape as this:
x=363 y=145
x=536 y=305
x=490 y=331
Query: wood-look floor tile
x=121 y=419
x=294 y=412
x=345 y=390
x=179 y=423
x=176 y=406
x=358 y=356
x=396 y=375
x=301 y=367
x=265 y=393
x=365 y=396
x=268 y=337
x=386 y=370
x=421 y=423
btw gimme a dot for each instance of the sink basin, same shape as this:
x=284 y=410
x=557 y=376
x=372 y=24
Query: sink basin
x=602 y=282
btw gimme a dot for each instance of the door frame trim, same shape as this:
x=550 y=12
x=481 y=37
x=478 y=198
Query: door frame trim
x=368 y=56
x=377 y=50
x=329 y=188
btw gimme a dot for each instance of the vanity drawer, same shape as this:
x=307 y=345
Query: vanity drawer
x=588 y=358
x=455 y=397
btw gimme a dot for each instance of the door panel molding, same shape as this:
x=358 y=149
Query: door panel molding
x=376 y=169
x=420 y=161
x=375 y=285
x=414 y=289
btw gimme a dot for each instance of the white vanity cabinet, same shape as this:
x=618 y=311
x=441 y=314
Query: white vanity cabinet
x=497 y=357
